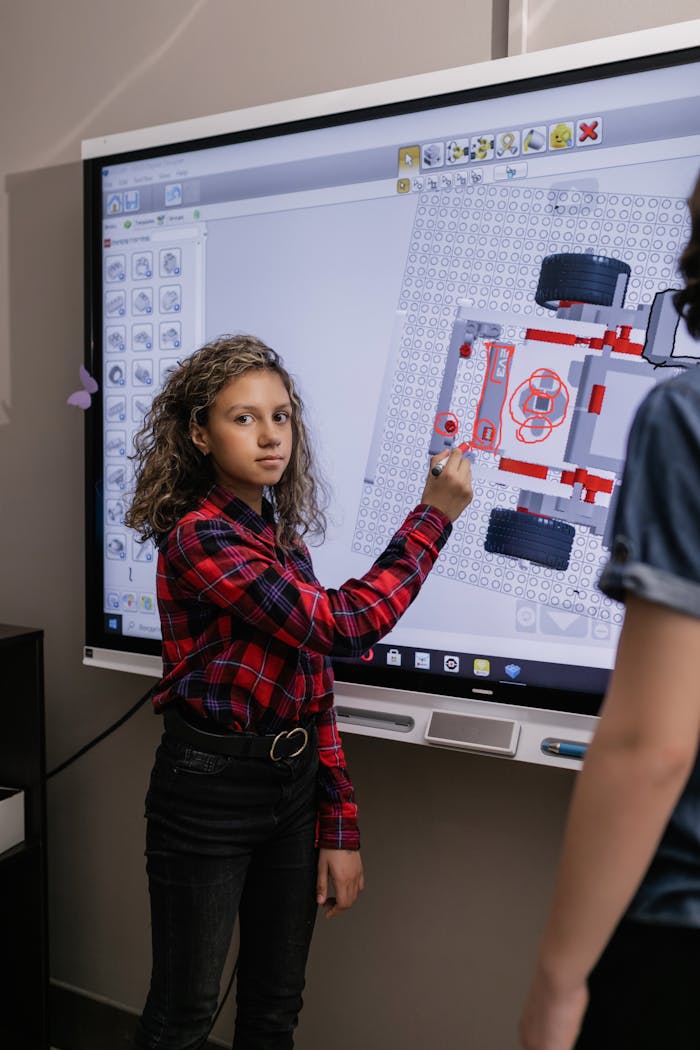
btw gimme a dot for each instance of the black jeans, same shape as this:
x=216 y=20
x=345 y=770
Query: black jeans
x=228 y=836
x=644 y=990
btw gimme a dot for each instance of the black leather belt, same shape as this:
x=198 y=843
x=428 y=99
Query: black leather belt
x=287 y=744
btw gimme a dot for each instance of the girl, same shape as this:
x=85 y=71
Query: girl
x=250 y=809
x=642 y=771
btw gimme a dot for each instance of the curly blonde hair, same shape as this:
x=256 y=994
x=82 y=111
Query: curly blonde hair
x=172 y=476
x=687 y=301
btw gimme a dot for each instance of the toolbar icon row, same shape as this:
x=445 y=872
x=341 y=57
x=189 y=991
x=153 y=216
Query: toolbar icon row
x=502 y=145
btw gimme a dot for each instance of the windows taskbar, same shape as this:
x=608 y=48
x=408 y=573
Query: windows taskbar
x=527 y=683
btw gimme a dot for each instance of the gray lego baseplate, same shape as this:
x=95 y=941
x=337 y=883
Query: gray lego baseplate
x=482 y=246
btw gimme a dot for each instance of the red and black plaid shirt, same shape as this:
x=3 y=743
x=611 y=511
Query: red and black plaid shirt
x=248 y=630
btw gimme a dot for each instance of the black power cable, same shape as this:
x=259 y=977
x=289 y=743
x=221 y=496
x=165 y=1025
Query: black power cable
x=102 y=736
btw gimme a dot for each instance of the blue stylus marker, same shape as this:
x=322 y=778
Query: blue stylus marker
x=564 y=748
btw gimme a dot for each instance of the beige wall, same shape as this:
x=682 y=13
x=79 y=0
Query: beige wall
x=80 y=68
x=550 y=23
x=459 y=849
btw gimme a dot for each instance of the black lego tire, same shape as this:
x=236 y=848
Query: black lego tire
x=579 y=277
x=544 y=541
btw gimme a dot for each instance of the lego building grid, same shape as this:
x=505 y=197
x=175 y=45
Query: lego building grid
x=483 y=247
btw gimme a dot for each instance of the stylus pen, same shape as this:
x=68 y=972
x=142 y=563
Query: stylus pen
x=464 y=449
x=564 y=748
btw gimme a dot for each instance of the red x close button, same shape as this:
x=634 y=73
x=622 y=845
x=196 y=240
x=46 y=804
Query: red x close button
x=588 y=131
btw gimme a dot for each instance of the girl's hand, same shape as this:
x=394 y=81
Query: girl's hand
x=344 y=866
x=451 y=492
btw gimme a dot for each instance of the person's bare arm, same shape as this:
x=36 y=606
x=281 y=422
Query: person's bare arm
x=634 y=772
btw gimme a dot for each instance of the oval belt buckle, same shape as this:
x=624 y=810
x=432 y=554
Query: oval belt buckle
x=288 y=736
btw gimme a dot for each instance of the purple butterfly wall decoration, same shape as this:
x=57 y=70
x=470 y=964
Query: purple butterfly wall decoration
x=83 y=398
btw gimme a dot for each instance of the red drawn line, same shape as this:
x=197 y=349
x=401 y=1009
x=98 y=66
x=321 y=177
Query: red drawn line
x=486 y=434
x=446 y=424
x=538 y=418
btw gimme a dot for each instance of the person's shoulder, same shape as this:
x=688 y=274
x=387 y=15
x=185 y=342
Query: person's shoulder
x=680 y=389
x=300 y=551
x=203 y=520
x=671 y=408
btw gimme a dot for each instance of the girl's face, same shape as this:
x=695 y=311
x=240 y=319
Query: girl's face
x=248 y=434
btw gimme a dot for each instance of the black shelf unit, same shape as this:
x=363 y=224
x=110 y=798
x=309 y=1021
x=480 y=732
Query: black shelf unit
x=24 y=964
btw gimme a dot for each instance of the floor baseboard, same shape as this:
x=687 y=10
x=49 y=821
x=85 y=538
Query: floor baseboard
x=78 y=1022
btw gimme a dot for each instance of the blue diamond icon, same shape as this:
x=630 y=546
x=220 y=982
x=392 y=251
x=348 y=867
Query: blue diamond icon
x=512 y=670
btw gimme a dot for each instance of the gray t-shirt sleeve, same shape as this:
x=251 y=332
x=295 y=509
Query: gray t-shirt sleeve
x=656 y=547
x=656 y=555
